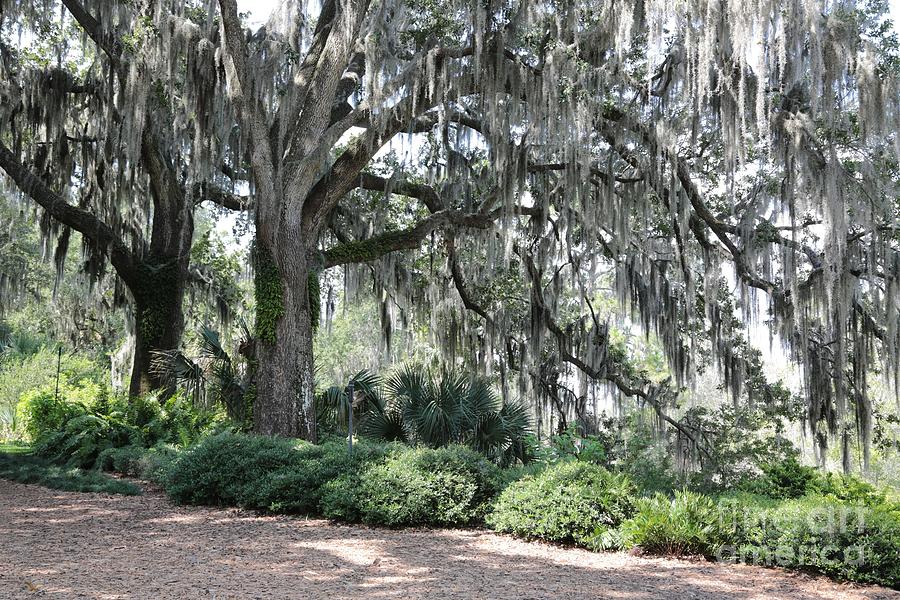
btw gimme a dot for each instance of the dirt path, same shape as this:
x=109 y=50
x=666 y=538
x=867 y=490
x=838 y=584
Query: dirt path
x=66 y=545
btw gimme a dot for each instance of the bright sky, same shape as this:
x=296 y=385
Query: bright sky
x=261 y=9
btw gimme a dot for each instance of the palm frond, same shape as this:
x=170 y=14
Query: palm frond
x=385 y=425
x=211 y=345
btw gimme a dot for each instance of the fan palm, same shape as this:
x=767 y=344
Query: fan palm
x=413 y=407
x=210 y=378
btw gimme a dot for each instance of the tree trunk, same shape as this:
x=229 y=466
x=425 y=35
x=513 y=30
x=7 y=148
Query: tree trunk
x=158 y=318
x=284 y=403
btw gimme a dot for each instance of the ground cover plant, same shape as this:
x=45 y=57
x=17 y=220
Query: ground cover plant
x=17 y=463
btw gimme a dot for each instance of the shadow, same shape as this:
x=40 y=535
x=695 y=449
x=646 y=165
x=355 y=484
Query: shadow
x=96 y=546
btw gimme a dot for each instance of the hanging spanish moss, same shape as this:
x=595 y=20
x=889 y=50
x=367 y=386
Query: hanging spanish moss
x=722 y=166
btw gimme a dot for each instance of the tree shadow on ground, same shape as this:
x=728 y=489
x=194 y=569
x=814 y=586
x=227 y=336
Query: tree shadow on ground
x=87 y=545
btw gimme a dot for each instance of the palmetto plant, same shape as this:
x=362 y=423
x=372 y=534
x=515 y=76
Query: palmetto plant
x=414 y=407
x=212 y=377
x=17 y=345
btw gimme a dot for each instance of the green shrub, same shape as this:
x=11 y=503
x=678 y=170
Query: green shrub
x=785 y=479
x=848 y=488
x=43 y=412
x=122 y=460
x=223 y=469
x=568 y=502
x=443 y=486
x=34 y=368
x=151 y=464
x=853 y=542
x=82 y=439
x=298 y=487
x=690 y=524
x=27 y=468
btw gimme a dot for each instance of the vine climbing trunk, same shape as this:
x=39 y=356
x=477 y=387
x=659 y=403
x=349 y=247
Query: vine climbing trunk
x=285 y=326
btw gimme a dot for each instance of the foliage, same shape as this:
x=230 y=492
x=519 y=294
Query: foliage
x=26 y=468
x=574 y=502
x=211 y=378
x=626 y=444
x=414 y=408
x=689 y=524
x=83 y=438
x=387 y=486
x=152 y=464
x=43 y=412
x=445 y=486
x=84 y=422
x=848 y=488
x=269 y=294
x=785 y=479
x=26 y=366
x=299 y=487
x=743 y=440
x=843 y=540
x=222 y=469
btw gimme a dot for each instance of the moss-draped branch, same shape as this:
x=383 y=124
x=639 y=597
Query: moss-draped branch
x=404 y=239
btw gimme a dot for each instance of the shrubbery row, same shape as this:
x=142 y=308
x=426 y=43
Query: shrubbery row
x=833 y=524
x=791 y=515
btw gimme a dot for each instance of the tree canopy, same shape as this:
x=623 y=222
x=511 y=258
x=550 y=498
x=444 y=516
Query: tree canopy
x=491 y=167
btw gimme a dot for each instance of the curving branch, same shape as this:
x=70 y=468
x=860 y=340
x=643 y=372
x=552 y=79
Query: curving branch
x=210 y=192
x=456 y=275
x=646 y=391
x=426 y=193
x=82 y=221
x=404 y=239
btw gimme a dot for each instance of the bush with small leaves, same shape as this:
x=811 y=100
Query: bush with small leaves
x=847 y=541
x=151 y=464
x=784 y=480
x=222 y=469
x=298 y=487
x=43 y=411
x=441 y=486
x=572 y=502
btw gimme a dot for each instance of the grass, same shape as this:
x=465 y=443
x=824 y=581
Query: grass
x=17 y=463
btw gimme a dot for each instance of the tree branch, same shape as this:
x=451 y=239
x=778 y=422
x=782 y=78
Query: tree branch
x=105 y=40
x=404 y=239
x=210 y=192
x=250 y=113
x=82 y=221
x=427 y=194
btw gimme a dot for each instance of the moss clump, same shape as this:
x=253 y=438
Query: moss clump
x=269 y=294
x=370 y=249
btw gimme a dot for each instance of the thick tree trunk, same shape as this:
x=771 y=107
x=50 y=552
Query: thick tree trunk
x=284 y=403
x=159 y=320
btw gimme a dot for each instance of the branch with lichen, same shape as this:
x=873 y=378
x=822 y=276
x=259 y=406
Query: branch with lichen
x=404 y=239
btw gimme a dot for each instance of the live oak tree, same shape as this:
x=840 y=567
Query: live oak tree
x=683 y=143
x=96 y=135
x=728 y=162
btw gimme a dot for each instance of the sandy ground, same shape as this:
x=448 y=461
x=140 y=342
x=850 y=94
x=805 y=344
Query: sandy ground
x=67 y=545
